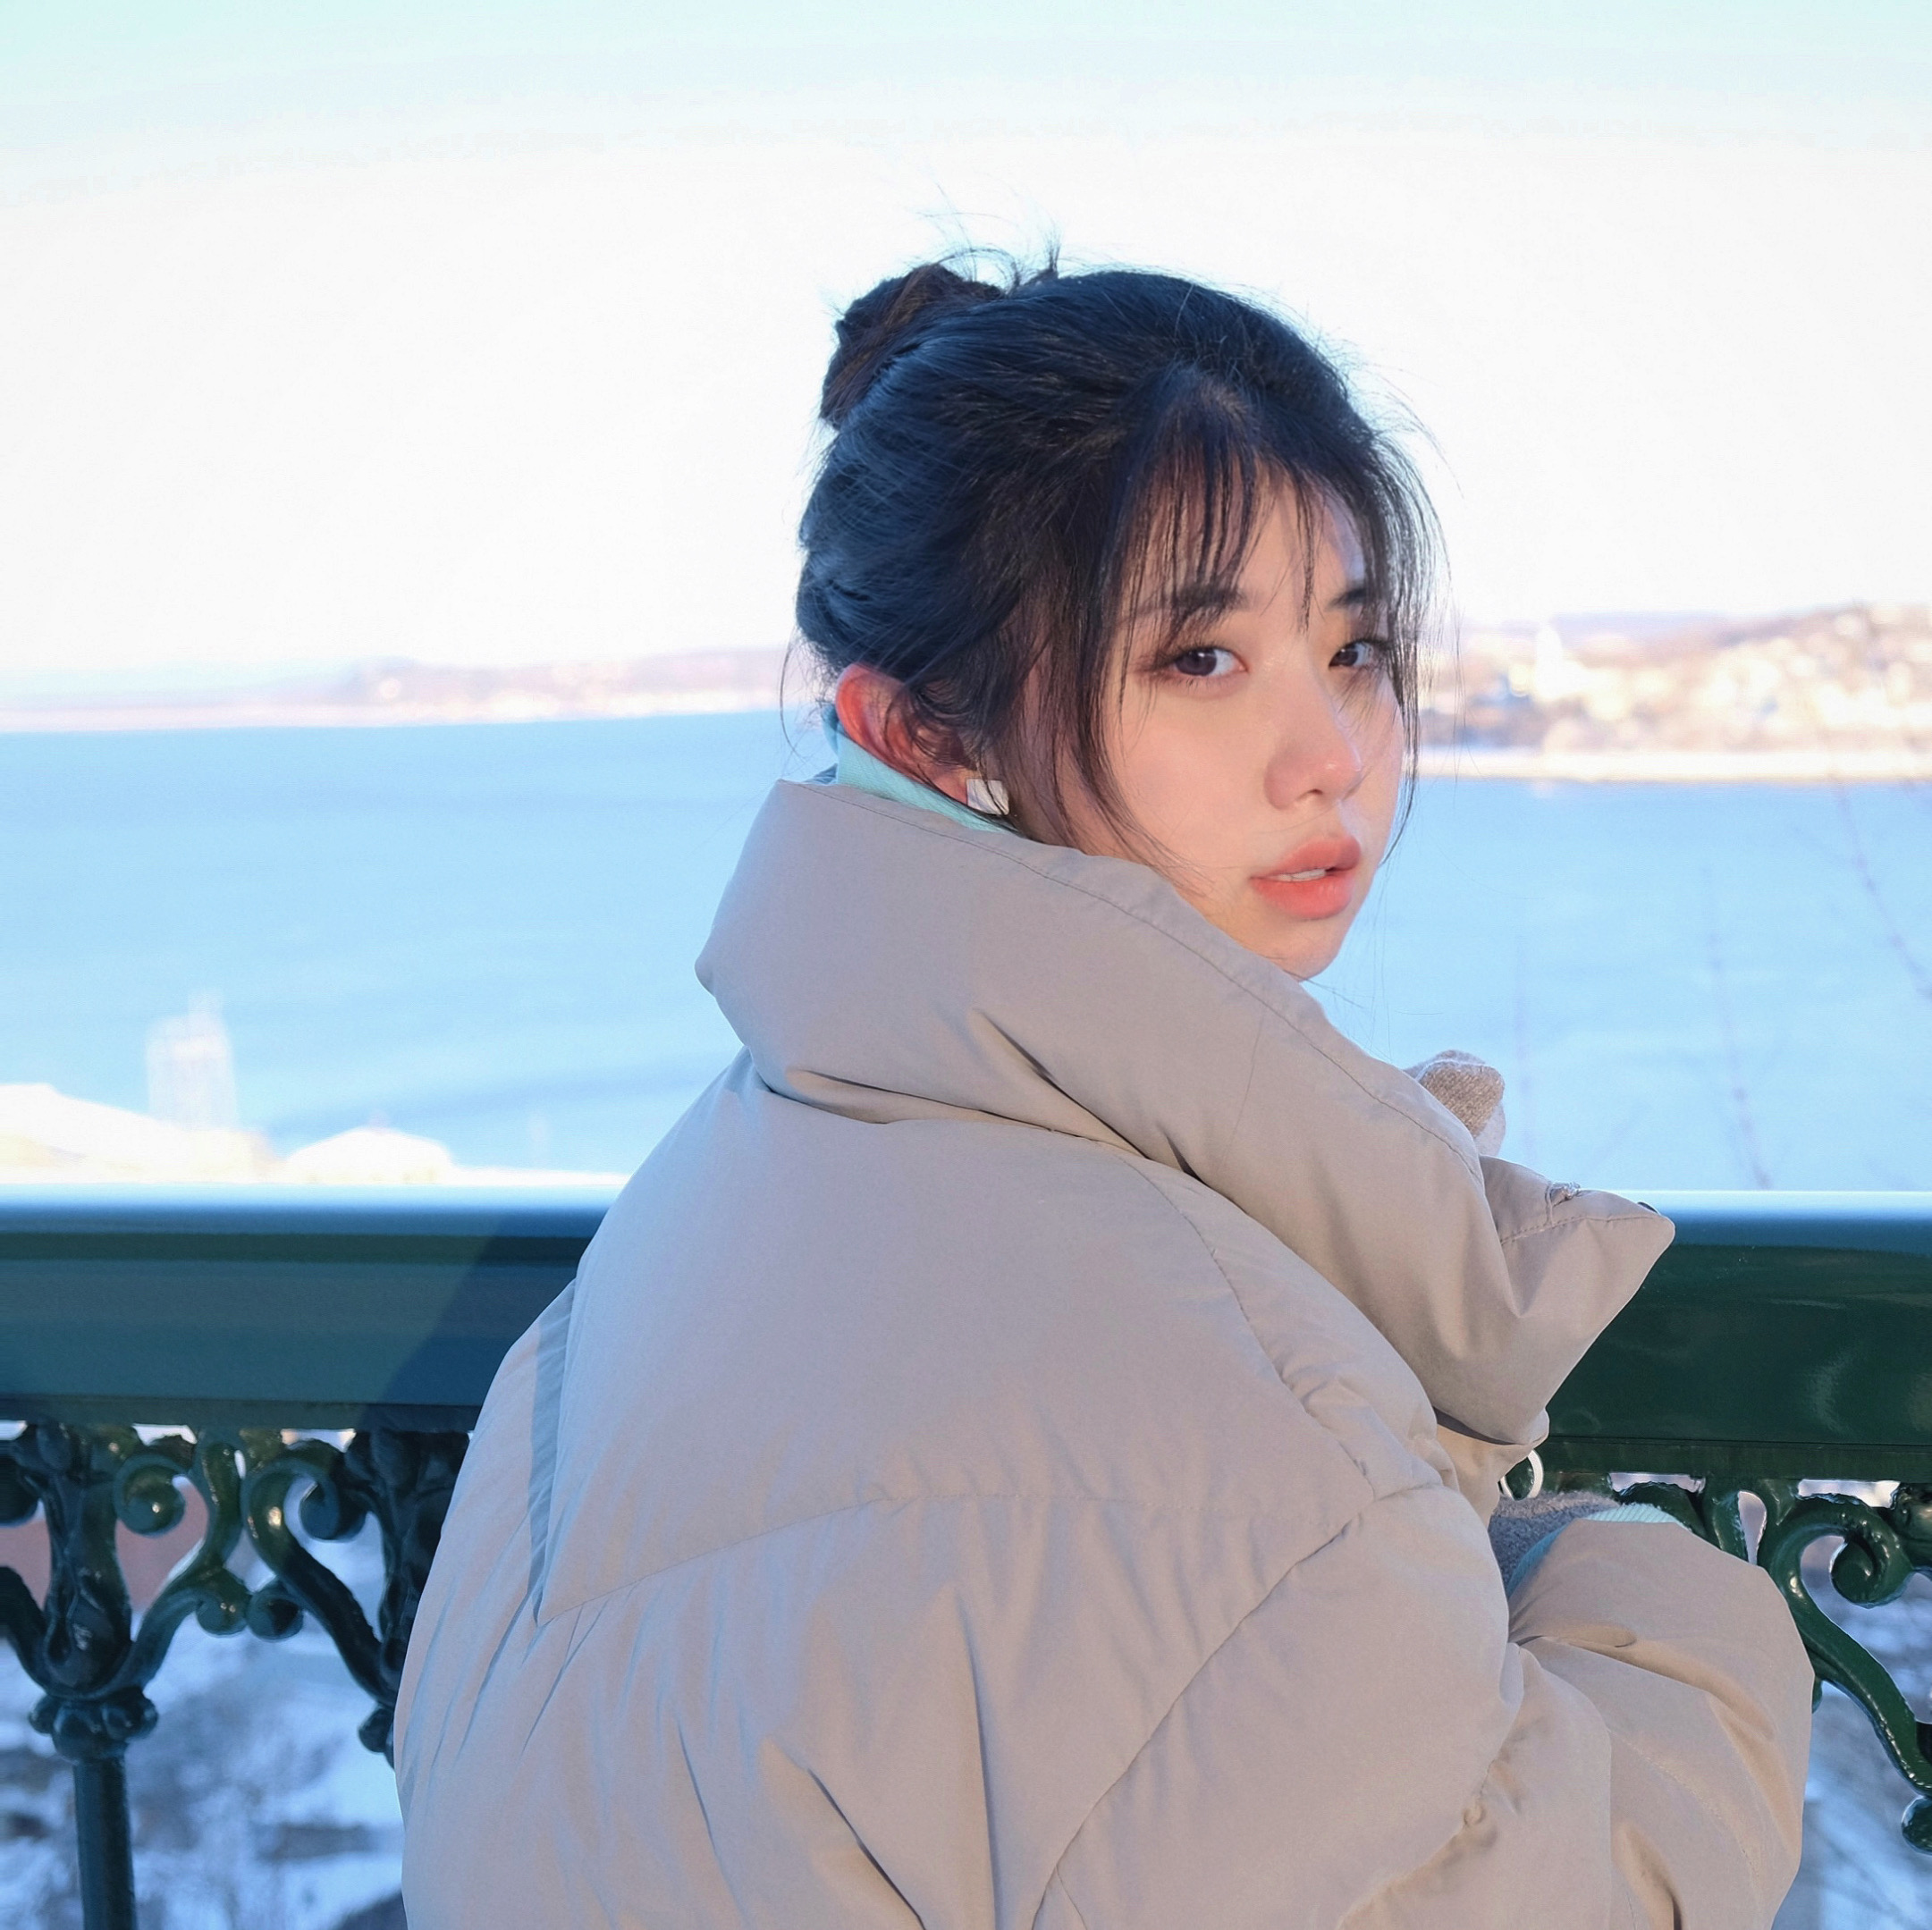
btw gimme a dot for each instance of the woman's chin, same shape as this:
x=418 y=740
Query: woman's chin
x=1301 y=946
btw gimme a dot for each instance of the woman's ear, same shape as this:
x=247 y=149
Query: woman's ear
x=871 y=713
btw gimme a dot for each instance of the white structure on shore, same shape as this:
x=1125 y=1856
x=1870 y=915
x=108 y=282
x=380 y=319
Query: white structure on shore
x=45 y=1134
x=47 y=1137
x=192 y=1068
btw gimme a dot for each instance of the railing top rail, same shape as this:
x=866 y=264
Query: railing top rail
x=1783 y=1332
x=1896 y=1220
x=237 y=1209
x=319 y=1307
x=1885 y=1222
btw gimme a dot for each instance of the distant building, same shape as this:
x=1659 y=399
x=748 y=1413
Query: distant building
x=192 y=1069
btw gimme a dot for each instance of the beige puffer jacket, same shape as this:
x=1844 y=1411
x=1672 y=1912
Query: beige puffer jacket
x=988 y=1473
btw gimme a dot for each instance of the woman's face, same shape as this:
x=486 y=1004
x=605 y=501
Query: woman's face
x=1261 y=751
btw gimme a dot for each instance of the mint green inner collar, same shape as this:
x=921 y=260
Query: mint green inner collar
x=862 y=772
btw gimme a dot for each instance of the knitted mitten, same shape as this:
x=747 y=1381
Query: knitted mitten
x=1522 y=1532
x=1473 y=1092
x=1518 y=1526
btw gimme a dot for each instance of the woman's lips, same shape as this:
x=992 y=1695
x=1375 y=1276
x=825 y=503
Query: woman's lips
x=1316 y=879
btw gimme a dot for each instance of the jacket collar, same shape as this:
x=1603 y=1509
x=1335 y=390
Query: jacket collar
x=880 y=961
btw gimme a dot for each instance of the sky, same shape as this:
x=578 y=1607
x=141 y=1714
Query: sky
x=492 y=334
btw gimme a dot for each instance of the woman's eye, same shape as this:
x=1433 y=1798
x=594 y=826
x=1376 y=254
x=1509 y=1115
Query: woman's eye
x=1359 y=653
x=1208 y=660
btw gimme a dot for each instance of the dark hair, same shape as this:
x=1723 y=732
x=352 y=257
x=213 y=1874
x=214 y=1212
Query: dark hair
x=1011 y=463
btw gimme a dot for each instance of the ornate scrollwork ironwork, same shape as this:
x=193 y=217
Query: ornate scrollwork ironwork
x=1883 y=1548
x=92 y=1662
x=81 y=1646
x=405 y=1481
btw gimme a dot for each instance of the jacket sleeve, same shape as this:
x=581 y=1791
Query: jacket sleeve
x=1380 y=1746
x=1691 y=1660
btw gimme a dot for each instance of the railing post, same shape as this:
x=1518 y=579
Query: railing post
x=104 y=1843
x=77 y=1646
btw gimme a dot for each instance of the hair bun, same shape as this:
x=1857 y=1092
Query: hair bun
x=881 y=324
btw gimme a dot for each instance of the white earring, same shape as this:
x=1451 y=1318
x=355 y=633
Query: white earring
x=986 y=795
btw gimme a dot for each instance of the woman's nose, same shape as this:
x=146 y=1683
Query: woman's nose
x=1317 y=750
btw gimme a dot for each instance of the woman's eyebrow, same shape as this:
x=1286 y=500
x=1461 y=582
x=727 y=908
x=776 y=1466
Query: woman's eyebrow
x=1200 y=599
x=1206 y=598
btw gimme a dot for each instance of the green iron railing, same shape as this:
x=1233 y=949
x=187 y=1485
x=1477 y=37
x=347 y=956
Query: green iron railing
x=1783 y=1337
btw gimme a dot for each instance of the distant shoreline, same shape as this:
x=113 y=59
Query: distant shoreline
x=1473 y=762
x=1806 y=766
x=83 y=720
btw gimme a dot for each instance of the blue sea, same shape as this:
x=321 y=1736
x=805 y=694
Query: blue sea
x=485 y=934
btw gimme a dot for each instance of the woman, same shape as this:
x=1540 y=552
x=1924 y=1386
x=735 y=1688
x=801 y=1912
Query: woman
x=1018 y=1452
